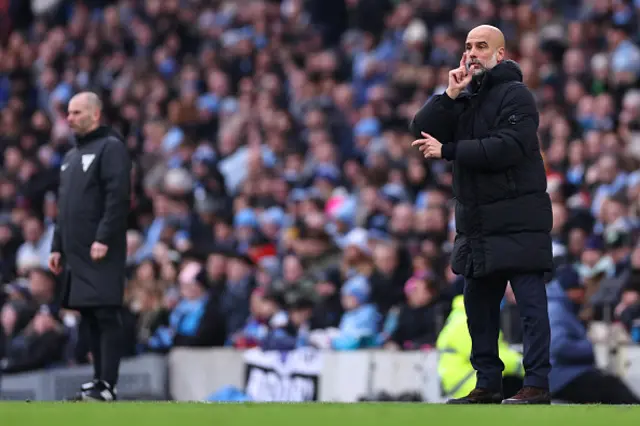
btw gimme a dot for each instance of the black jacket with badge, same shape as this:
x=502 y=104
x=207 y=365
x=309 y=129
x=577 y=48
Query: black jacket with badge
x=94 y=199
x=503 y=213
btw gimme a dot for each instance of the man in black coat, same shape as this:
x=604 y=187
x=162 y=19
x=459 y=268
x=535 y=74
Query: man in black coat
x=486 y=124
x=90 y=237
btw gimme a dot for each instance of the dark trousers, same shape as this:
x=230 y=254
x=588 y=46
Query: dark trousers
x=596 y=387
x=103 y=326
x=482 y=299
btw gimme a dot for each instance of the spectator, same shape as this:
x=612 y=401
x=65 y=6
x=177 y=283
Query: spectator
x=294 y=127
x=196 y=320
x=36 y=245
x=360 y=320
x=388 y=276
x=418 y=319
x=574 y=376
x=39 y=345
x=266 y=314
x=235 y=299
x=628 y=310
x=294 y=333
x=328 y=310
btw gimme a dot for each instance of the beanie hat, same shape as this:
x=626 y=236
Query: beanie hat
x=358 y=287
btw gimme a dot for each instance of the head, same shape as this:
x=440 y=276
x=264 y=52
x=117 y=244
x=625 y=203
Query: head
x=300 y=312
x=32 y=229
x=190 y=287
x=216 y=265
x=484 y=49
x=292 y=269
x=84 y=112
x=419 y=291
x=385 y=257
x=355 y=292
x=356 y=248
x=43 y=322
x=238 y=268
x=41 y=285
x=569 y=281
x=134 y=242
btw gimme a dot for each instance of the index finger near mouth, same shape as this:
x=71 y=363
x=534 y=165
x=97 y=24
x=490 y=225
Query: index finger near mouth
x=463 y=61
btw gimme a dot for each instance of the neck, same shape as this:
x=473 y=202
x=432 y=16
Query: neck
x=89 y=130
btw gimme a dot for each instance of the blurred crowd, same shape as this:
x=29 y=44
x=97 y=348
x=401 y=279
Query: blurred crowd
x=277 y=200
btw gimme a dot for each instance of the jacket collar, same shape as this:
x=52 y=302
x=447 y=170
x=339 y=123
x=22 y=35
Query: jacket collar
x=99 y=133
x=503 y=72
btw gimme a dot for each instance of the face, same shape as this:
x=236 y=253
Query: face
x=325 y=288
x=32 y=230
x=190 y=290
x=300 y=315
x=256 y=304
x=43 y=322
x=81 y=116
x=237 y=270
x=385 y=259
x=349 y=302
x=216 y=265
x=40 y=285
x=145 y=272
x=419 y=295
x=576 y=295
x=292 y=269
x=483 y=52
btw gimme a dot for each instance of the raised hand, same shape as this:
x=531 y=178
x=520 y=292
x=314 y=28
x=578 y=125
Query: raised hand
x=459 y=78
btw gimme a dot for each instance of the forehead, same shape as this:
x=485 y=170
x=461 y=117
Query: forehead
x=479 y=36
x=77 y=104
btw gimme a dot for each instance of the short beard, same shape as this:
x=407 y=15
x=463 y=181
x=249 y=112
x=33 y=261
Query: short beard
x=477 y=73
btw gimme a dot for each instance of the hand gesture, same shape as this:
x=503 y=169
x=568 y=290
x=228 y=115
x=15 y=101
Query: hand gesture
x=55 y=263
x=430 y=147
x=98 y=250
x=459 y=78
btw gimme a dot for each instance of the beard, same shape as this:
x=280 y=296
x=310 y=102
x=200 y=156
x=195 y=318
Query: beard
x=482 y=67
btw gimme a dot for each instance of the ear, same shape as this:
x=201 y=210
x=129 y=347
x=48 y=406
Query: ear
x=500 y=54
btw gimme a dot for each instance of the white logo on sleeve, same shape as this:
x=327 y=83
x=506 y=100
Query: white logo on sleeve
x=87 y=159
x=64 y=167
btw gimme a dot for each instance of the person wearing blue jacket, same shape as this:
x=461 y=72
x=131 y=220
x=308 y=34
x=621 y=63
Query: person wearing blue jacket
x=359 y=324
x=574 y=376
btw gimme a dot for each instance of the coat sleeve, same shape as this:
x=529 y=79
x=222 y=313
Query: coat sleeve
x=509 y=142
x=438 y=117
x=114 y=176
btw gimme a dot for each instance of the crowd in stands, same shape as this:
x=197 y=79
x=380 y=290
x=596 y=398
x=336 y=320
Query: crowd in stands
x=277 y=201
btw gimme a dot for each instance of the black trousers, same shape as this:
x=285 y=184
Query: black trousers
x=103 y=326
x=597 y=387
x=482 y=299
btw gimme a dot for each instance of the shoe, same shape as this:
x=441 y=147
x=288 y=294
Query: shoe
x=101 y=392
x=89 y=385
x=530 y=395
x=479 y=396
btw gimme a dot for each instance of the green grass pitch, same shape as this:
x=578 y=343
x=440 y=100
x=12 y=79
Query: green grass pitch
x=366 y=414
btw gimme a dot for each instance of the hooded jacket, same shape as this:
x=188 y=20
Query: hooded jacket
x=571 y=351
x=503 y=212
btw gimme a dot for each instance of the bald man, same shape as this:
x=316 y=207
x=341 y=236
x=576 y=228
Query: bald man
x=486 y=125
x=89 y=242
